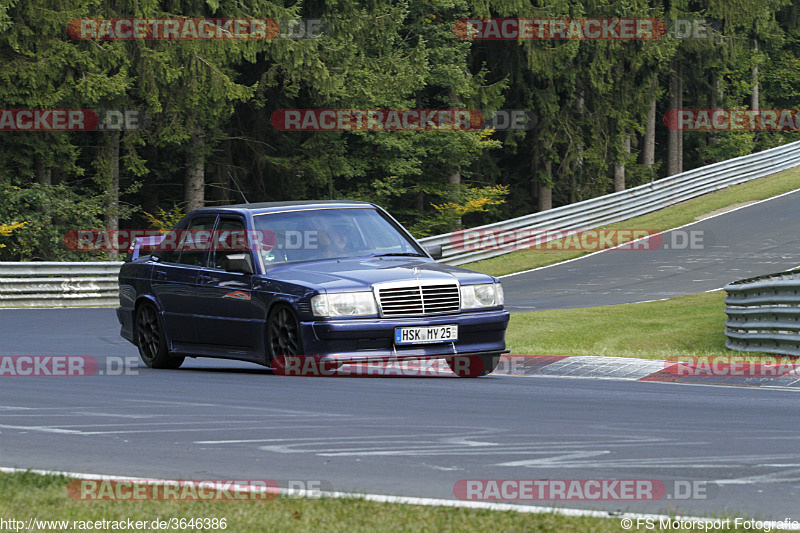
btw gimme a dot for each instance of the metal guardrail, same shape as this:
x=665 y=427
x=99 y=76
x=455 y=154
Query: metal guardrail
x=618 y=206
x=93 y=284
x=764 y=314
x=56 y=284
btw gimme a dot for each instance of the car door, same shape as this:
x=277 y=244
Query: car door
x=230 y=316
x=175 y=278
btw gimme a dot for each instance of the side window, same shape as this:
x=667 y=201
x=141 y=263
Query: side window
x=229 y=238
x=187 y=246
x=193 y=243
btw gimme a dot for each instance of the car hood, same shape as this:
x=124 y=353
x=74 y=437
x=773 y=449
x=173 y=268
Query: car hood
x=361 y=273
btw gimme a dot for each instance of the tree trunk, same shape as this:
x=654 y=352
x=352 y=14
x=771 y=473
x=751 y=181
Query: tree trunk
x=619 y=168
x=716 y=102
x=150 y=188
x=754 y=103
x=674 y=139
x=533 y=163
x=454 y=179
x=680 y=106
x=716 y=93
x=574 y=186
x=194 y=186
x=545 y=193
x=111 y=154
x=43 y=175
x=649 y=152
x=56 y=175
x=225 y=191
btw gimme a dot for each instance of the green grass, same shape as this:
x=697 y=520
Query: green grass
x=27 y=495
x=664 y=219
x=686 y=325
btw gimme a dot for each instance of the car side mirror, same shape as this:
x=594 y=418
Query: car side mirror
x=239 y=263
x=435 y=251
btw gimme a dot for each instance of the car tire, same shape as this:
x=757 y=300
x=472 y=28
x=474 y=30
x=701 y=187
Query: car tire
x=473 y=366
x=283 y=338
x=152 y=341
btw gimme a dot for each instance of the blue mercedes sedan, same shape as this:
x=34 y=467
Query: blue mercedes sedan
x=330 y=282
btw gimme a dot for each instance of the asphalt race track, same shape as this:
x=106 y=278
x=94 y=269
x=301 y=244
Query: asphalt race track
x=761 y=238
x=418 y=436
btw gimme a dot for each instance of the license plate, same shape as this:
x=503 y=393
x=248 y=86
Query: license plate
x=426 y=334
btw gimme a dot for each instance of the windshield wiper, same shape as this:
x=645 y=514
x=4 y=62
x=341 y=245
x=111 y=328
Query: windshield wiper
x=411 y=254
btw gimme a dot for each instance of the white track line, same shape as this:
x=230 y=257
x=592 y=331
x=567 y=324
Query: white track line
x=381 y=498
x=648 y=237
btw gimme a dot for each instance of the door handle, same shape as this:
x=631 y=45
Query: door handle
x=160 y=274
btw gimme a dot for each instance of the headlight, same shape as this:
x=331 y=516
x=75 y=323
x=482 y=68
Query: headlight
x=486 y=295
x=344 y=304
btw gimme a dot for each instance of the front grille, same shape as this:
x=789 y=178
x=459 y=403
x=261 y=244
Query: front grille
x=419 y=299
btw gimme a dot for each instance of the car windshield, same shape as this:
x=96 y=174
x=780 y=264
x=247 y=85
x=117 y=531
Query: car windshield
x=314 y=234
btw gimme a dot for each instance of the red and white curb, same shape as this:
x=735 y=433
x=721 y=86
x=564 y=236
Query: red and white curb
x=630 y=369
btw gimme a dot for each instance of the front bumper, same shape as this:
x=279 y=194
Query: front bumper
x=479 y=332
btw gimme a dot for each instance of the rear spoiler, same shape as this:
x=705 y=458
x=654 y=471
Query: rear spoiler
x=150 y=241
